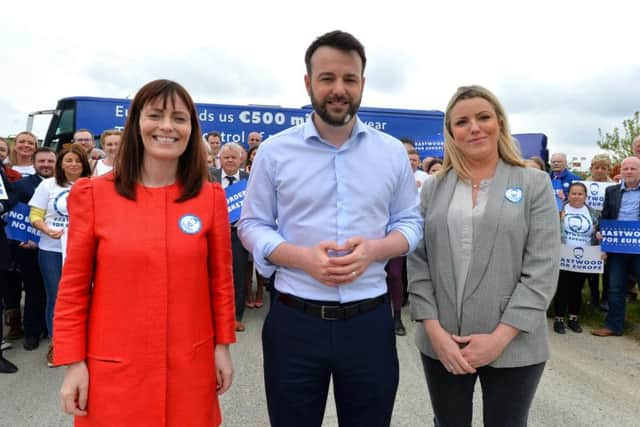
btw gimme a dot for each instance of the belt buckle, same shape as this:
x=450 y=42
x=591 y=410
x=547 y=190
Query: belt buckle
x=323 y=316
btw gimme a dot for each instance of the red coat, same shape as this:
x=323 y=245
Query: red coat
x=162 y=298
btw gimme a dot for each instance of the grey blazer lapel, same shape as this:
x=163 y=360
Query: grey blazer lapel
x=484 y=232
x=438 y=242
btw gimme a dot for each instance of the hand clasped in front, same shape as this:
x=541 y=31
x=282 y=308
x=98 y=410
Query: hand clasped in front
x=335 y=265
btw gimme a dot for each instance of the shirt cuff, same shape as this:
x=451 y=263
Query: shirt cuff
x=263 y=248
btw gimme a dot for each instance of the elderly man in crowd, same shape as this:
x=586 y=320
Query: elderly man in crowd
x=227 y=175
x=560 y=173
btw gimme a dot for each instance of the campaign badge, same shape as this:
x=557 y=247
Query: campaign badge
x=190 y=224
x=513 y=194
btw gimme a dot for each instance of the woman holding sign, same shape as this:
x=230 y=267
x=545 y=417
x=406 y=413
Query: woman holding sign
x=145 y=312
x=578 y=223
x=49 y=215
x=483 y=277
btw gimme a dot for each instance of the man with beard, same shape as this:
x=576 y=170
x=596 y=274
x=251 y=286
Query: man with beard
x=328 y=203
x=26 y=253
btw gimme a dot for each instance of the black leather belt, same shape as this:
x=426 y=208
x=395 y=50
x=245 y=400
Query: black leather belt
x=331 y=312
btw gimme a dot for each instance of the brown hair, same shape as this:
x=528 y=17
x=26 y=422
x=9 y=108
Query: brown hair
x=538 y=161
x=107 y=133
x=61 y=178
x=192 y=164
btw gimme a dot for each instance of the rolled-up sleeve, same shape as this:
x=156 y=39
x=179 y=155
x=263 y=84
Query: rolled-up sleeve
x=404 y=211
x=258 y=228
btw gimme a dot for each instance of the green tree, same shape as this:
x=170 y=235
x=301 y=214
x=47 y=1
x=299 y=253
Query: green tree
x=620 y=144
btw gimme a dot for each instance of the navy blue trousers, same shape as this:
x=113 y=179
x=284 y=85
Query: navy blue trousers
x=302 y=353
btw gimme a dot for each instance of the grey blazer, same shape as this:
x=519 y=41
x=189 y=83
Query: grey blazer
x=514 y=265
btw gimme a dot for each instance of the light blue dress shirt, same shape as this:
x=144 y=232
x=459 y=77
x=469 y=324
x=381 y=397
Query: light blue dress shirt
x=629 y=204
x=303 y=190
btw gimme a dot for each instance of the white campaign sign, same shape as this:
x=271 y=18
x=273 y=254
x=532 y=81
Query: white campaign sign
x=581 y=259
x=3 y=189
x=595 y=193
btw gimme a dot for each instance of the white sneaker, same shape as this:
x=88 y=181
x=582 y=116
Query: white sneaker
x=5 y=345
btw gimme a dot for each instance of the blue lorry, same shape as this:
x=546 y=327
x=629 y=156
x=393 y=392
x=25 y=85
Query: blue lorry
x=235 y=122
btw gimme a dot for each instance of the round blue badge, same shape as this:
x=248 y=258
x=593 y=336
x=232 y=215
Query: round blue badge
x=190 y=224
x=513 y=194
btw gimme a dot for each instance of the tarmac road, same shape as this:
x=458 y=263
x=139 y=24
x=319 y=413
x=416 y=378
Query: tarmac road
x=589 y=381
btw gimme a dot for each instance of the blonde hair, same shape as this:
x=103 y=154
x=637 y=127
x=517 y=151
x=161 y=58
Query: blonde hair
x=12 y=153
x=508 y=150
x=601 y=159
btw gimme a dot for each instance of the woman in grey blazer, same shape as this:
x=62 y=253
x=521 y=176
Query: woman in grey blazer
x=487 y=269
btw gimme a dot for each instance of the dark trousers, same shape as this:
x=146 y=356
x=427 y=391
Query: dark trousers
x=395 y=284
x=620 y=266
x=302 y=353
x=34 y=295
x=569 y=293
x=240 y=264
x=13 y=280
x=507 y=394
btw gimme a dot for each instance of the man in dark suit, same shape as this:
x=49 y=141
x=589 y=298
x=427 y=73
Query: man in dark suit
x=622 y=203
x=227 y=175
x=26 y=253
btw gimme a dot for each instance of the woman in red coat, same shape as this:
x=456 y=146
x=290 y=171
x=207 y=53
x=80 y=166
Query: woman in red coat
x=154 y=238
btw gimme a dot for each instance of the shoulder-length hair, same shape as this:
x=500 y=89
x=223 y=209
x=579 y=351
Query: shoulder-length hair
x=192 y=164
x=61 y=178
x=508 y=151
x=13 y=155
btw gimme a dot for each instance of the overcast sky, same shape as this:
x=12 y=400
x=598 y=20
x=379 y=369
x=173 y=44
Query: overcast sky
x=563 y=68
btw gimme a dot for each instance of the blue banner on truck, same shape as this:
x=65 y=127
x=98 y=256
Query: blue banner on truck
x=235 y=122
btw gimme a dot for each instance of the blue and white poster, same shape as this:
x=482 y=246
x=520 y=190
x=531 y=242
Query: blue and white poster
x=595 y=193
x=3 y=190
x=18 y=225
x=557 y=189
x=235 y=198
x=620 y=236
x=581 y=259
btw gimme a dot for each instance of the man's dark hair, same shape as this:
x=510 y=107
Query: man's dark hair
x=42 y=150
x=338 y=40
x=409 y=141
x=214 y=133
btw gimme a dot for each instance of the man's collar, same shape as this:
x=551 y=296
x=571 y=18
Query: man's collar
x=235 y=175
x=561 y=174
x=623 y=186
x=310 y=130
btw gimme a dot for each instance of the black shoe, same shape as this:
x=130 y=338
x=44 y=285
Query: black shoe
x=399 y=327
x=558 y=326
x=574 y=325
x=31 y=343
x=7 y=367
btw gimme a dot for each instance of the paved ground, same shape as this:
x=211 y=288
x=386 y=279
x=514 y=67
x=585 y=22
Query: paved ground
x=588 y=382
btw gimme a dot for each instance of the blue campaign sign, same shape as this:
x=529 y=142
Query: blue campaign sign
x=235 y=198
x=557 y=189
x=620 y=236
x=18 y=225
